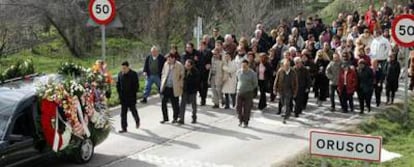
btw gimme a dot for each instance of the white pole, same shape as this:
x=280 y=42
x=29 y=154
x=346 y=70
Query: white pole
x=103 y=45
x=199 y=29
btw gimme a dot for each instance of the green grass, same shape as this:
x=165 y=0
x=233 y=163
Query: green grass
x=48 y=57
x=397 y=137
x=331 y=11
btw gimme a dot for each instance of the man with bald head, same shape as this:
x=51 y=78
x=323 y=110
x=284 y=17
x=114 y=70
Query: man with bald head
x=304 y=83
x=332 y=72
x=152 y=71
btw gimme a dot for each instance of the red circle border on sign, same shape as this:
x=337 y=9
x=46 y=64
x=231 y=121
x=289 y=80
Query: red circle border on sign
x=394 y=35
x=102 y=22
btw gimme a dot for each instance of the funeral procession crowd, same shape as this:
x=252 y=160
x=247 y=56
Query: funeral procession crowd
x=304 y=58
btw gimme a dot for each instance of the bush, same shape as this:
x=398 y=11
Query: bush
x=18 y=69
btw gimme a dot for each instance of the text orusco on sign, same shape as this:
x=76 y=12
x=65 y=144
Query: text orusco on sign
x=348 y=146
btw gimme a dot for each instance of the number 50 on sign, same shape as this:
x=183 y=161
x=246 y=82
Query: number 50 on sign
x=102 y=11
x=403 y=30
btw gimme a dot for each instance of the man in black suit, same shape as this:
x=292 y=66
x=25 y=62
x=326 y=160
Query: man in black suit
x=191 y=86
x=127 y=87
x=203 y=65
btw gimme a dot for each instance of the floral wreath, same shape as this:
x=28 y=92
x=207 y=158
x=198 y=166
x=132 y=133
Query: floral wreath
x=74 y=111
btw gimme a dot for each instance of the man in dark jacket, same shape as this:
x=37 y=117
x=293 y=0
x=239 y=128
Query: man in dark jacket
x=127 y=87
x=304 y=83
x=190 y=53
x=216 y=37
x=365 y=85
x=191 y=86
x=204 y=65
x=152 y=70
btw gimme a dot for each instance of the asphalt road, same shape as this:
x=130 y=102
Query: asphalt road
x=216 y=140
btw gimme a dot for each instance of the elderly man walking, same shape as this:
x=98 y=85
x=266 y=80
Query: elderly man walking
x=286 y=84
x=332 y=72
x=304 y=83
x=152 y=70
x=247 y=82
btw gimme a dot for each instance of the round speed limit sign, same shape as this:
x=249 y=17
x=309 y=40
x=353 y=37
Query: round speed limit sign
x=102 y=11
x=403 y=30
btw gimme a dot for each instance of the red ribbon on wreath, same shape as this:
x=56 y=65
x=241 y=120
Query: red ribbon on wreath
x=48 y=113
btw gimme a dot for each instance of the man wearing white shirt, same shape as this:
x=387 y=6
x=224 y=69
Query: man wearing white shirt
x=380 y=48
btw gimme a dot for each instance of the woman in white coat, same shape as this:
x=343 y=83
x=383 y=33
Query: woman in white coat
x=229 y=80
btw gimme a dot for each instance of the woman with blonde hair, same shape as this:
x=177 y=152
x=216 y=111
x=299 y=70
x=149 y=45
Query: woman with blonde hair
x=321 y=80
x=229 y=80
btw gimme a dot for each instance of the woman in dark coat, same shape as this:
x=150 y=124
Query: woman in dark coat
x=264 y=74
x=321 y=81
x=365 y=85
x=378 y=80
x=274 y=61
x=392 y=74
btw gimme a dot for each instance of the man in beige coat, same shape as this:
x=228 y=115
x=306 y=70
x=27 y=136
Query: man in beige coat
x=172 y=80
x=215 y=78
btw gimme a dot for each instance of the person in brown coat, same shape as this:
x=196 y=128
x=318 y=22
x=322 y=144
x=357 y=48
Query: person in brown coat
x=286 y=84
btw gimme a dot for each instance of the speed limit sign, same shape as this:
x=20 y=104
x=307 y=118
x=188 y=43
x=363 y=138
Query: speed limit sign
x=102 y=11
x=403 y=30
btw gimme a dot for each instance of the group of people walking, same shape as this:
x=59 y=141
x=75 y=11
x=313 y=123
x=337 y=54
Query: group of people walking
x=353 y=56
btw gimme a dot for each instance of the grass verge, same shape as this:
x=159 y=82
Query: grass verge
x=397 y=137
x=48 y=57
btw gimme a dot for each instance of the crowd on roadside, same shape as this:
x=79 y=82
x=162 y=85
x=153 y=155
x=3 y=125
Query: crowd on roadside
x=354 y=55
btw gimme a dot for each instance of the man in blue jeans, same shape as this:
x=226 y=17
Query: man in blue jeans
x=152 y=70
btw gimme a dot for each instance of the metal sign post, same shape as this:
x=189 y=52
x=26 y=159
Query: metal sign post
x=402 y=32
x=102 y=12
x=199 y=30
x=103 y=42
x=407 y=56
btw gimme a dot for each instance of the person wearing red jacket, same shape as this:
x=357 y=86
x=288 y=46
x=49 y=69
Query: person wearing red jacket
x=347 y=85
x=369 y=14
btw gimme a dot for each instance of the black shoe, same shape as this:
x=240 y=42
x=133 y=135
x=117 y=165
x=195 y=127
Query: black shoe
x=174 y=121
x=180 y=122
x=164 y=121
x=240 y=123
x=122 y=131
x=284 y=121
x=137 y=125
x=333 y=109
x=144 y=101
x=194 y=121
x=296 y=115
x=227 y=107
x=245 y=125
x=278 y=113
x=203 y=102
x=215 y=107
